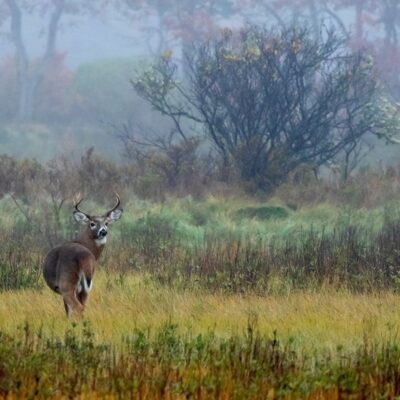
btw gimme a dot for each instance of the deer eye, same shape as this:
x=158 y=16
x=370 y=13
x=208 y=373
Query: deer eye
x=92 y=224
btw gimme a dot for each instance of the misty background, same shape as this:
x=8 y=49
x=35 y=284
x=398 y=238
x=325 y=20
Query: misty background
x=66 y=66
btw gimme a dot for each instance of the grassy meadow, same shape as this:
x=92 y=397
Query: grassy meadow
x=314 y=320
x=219 y=298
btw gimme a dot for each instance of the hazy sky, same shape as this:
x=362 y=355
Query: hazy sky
x=84 y=40
x=88 y=38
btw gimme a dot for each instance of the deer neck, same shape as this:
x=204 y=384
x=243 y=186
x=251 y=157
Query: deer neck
x=96 y=246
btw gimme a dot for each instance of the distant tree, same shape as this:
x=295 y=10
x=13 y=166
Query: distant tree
x=8 y=89
x=182 y=21
x=286 y=12
x=53 y=100
x=309 y=9
x=51 y=12
x=269 y=101
x=381 y=20
x=390 y=17
x=367 y=24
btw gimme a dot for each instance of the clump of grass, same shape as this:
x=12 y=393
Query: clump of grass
x=20 y=267
x=15 y=277
x=262 y=213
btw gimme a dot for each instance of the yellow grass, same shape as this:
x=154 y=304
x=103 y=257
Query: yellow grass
x=324 y=319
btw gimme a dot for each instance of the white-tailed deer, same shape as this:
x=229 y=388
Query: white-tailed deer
x=68 y=269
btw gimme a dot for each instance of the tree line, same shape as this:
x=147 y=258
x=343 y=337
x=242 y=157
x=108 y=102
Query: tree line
x=175 y=24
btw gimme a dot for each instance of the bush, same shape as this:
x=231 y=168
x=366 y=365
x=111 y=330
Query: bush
x=272 y=101
x=18 y=176
x=262 y=213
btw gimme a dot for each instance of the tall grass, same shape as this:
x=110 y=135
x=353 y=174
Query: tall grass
x=233 y=247
x=120 y=303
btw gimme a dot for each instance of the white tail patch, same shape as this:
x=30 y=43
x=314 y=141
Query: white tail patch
x=83 y=284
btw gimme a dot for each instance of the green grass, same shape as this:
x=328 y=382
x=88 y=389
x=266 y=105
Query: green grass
x=191 y=219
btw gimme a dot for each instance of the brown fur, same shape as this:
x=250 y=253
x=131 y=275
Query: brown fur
x=85 y=239
x=63 y=265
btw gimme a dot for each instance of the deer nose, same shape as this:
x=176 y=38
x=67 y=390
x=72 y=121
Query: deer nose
x=102 y=232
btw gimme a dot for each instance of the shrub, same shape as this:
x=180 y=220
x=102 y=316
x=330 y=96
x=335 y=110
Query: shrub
x=262 y=213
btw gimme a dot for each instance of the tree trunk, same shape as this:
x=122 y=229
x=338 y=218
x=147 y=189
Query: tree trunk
x=26 y=96
x=390 y=18
x=29 y=80
x=28 y=87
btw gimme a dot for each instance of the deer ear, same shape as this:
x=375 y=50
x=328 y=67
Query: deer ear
x=114 y=215
x=80 y=217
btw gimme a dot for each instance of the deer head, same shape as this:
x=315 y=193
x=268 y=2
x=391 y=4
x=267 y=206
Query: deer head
x=97 y=226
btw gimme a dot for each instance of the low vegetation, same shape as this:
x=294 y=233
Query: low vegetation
x=219 y=246
x=141 y=339
x=221 y=297
x=171 y=365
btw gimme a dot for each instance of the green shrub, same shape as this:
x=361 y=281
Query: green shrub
x=262 y=213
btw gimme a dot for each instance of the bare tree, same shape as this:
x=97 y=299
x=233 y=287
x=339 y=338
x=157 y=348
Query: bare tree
x=271 y=101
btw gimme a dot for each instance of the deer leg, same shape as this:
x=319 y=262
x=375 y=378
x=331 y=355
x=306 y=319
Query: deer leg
x=71 y=303
x=67 y=309
x=82 y=297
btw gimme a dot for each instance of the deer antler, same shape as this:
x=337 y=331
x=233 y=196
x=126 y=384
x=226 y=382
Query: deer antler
x=116 y=205
x=78 y=200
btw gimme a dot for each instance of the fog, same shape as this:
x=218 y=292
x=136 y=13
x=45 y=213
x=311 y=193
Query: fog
x=48 y=103
x=85 y=40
